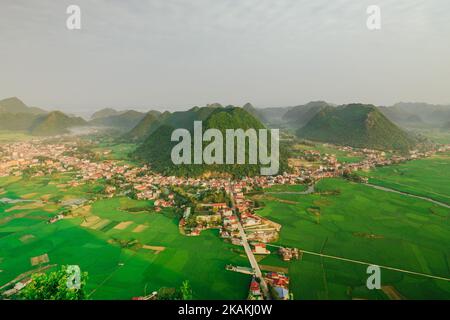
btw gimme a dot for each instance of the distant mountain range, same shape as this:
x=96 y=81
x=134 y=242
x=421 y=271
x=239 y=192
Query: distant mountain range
x=55 y=123
x=122 y=121
x=257 y=113
x=15 y=115
x=106 y=112
x=147 y=125
x=406 y=115
x=356 y=125
x=418 y=114
x=16 y=106
x=299 y=116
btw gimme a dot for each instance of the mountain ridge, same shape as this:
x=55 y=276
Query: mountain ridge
x=156 y=148
x=123 y=121
x=16 y=106
x=55 y=123
x=356 y=125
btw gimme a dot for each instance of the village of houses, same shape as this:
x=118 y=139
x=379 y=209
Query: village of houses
x=40 y=158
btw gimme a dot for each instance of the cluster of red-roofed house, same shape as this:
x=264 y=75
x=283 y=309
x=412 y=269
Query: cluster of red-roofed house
x=255 y=290
x=279 y=285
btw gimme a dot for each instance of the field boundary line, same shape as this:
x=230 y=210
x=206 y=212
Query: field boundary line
x=381 y=266
x=367 y=263
x=377 y=187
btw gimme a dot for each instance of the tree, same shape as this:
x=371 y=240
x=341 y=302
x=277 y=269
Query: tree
x=186 y=290
x=168 y=294
x=54 y=286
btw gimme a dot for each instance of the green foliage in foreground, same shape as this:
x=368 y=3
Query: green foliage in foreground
x=53 y=286
x=184 y=292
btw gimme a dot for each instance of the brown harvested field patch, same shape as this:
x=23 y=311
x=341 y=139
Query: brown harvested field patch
x=123 y=225
x=392 y=293
x=322 y=202
x=156 y=249
x=272 y=198
x=30 y=206
x=140 y=228
x=259 y=257
x=90 y=221
x=39 y=259
x=82 y=211
x=314 y=211
x=368 y=235
x=12 y=217
x=258 y=197
x=46 y=197
x=273 y=268
x=100 y=224
x=287 y=201
x=271 y=223
x=26 y=238
x=299 y=162
x=50 y=209
x=29 y=195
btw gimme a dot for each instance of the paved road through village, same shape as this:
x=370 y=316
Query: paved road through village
x=251 y=256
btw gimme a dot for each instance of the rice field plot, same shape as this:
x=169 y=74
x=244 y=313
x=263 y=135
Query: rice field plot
x=428 y=177
x=162 y=258
x=367 y=225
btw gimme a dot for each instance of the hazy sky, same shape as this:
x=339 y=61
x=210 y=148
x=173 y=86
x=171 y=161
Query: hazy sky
x=173 y=54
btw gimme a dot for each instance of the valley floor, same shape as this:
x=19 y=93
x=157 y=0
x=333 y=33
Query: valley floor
x=130 y=250
x=116 y=247
x=423 y=177
x=354 y=222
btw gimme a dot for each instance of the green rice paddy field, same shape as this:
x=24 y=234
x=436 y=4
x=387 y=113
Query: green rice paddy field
x=365 y=224
x=116 y=270
x=428 y=177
